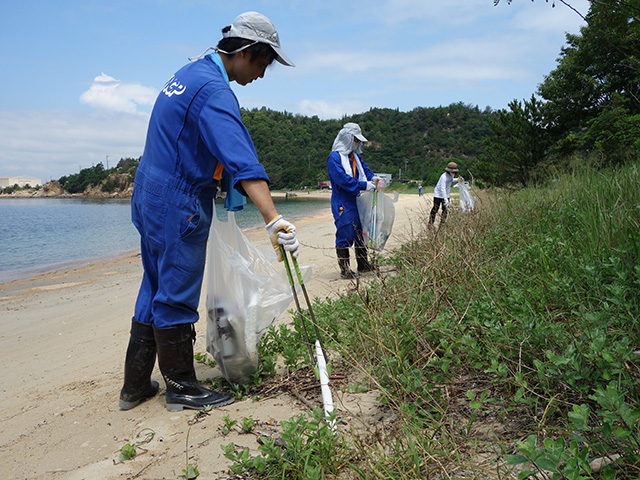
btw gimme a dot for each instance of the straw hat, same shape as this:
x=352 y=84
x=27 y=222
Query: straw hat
x=452 y=167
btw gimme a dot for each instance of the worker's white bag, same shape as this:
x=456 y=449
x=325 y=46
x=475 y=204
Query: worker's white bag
x=245 y=294
x=377 y=213
x=466 y=199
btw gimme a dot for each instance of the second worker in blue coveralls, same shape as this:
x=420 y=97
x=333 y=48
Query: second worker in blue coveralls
x=349 y=176
x=195 y=131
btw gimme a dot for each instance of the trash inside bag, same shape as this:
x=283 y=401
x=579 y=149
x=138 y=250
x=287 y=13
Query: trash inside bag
x=377 y=213
x=466 y=199
x=246 y=292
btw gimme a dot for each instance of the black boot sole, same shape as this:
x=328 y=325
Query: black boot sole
x=175 y=405
x=129 y=404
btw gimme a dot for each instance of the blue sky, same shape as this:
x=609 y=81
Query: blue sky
x=80 y=76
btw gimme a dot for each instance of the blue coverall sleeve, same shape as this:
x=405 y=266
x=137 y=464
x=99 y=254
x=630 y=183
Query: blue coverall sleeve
x=340 y=178
x=227 y=138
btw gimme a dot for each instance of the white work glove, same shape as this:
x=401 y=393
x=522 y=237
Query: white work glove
x=376 y=179
x=446 y=202
x=283 y=233
x=370 y=187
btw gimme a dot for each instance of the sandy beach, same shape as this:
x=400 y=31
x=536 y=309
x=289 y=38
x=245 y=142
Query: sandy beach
x=63 y=338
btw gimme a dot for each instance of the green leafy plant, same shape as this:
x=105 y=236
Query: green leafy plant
x=228 y=425
x=190 y=472
x=247 y=424
x=311 y=451
x=204 y=359
x=127 y=452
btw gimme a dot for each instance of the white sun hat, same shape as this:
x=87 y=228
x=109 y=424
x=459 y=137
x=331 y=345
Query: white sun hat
x=255 y=26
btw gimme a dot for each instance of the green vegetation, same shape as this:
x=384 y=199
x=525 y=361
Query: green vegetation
x=588 y=105
x=312 y=452
x=95 y=175
x=17 y=188
x=127 y=452
x=293 y=148
x=411 y=145
x=503 y=344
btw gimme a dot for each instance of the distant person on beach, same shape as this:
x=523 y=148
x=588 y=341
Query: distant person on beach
x=442 y=193
x=349 y=176
x=419 y=190
x=195 y=133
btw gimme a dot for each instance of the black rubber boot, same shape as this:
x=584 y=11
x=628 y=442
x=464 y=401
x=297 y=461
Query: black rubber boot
x=138 y=365
x=175 y=359
x=343 y=263
x=361 y=258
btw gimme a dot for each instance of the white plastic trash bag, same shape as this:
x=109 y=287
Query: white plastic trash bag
x=377 y=213
x=466 y=199
x=246 y=292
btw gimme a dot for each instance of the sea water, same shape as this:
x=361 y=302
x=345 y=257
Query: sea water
x=41 y=234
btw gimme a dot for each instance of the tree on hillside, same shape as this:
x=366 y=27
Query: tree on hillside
x=615 y=134
x=77 y=183
x=598 y=73
x=592 y=98
x=520 y=143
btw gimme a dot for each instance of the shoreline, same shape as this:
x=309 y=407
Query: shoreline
x=63 y=338
x=8 y=276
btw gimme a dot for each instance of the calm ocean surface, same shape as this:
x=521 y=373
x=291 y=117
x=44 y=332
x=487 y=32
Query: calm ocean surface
x=40 y=234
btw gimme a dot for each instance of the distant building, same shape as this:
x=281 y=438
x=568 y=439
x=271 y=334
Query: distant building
x=386 y=176
x=20 y=180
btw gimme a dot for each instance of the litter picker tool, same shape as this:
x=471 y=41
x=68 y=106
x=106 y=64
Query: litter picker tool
x=321 y=356
x=295 y=298
x=296 y=267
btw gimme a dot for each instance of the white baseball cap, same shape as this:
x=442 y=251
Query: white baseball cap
x=255 y=26
x=354 y=129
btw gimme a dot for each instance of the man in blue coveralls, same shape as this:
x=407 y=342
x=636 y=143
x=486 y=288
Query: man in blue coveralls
x=195 y=132
x=349 y=175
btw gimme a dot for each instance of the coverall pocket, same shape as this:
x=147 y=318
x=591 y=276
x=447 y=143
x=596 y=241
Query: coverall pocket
x=190 y=224
x=149 y=215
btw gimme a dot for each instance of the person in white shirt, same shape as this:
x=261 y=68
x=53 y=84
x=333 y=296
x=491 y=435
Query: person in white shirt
x=442 y=193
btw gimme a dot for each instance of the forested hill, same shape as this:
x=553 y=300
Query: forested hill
x=414 y=145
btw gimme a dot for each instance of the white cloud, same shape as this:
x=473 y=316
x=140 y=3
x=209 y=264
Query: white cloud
x=50 y=144
x=324 y=109
x=110 y=94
